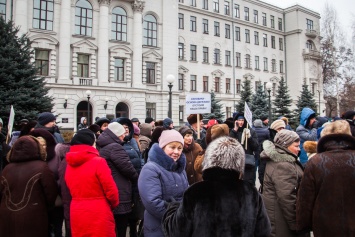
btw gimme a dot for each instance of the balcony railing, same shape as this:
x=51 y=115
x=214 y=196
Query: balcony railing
x=311 y=53
x=311 y=33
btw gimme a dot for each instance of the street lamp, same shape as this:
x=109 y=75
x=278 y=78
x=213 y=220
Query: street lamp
x=170 y=79
x=105 y=105
x=66 y=101
x=88 y=93
x=268 y=87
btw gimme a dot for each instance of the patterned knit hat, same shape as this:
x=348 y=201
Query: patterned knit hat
x=286 y=137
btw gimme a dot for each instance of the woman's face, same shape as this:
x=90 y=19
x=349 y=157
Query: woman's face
x=294 y=148
x=173 y=150
x=104 y=126
x=126 y=128
x=188 y=139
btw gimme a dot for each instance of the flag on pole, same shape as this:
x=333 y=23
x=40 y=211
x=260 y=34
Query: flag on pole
x=10 y=124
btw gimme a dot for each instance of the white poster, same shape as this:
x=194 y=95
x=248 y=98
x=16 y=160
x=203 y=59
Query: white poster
x=198 y=103
x=248 y=114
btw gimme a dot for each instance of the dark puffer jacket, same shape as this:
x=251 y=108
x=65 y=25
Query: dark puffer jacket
x=161 y=180
x=221 y=205
x=326 y=195
x=122 y=169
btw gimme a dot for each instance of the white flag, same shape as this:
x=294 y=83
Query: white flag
x=248 y=114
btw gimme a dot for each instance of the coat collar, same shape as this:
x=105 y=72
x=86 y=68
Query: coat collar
x=158 y=156
x=336 y=142
x=277 y=153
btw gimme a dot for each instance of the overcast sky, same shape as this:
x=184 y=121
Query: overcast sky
x=345 y=9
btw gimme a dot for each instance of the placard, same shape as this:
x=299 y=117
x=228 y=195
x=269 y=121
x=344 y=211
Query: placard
x=198 y=103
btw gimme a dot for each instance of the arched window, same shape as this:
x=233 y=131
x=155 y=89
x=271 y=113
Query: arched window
x=83 y=18
x=42 y=14
x=119 y=24
x=150 y=31
x=122 y=110
x=309 y=45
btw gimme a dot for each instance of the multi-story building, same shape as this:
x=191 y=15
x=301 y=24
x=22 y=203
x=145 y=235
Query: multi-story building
x=121 y=51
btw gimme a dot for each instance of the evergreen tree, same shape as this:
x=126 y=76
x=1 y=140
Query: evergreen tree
x=305 y=100
x=259 y=103
x=282 y=102
x=245 y=95
x=19 y=85
x=216 y=108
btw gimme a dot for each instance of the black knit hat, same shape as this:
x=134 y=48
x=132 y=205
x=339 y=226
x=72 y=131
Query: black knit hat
x=45 y=118
x=83 y=137
x=148 y=120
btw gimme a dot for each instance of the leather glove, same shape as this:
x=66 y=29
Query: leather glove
x=247 y=132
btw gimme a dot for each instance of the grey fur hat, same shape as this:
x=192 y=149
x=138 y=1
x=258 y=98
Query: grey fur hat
x=226 y=153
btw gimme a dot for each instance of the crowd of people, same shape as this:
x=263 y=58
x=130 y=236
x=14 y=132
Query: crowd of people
x=153 y=179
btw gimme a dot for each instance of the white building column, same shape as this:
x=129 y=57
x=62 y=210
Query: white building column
x=103 y=55
x=64 y=67
x=21 y=15
x=137 y=7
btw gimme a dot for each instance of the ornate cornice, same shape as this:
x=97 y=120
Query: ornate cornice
x=138 y=5
x=105 y=2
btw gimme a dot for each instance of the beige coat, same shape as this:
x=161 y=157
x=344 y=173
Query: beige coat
x=283 y=174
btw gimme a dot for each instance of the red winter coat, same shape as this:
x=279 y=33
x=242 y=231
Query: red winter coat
x=94 y=193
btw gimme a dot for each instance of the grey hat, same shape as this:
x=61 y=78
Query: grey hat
x=285 y=138
x=226 y=153
x=258 y=123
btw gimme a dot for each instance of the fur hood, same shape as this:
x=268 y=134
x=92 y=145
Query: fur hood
x=276 y=153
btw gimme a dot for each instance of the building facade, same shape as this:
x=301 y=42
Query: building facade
x=112 y=57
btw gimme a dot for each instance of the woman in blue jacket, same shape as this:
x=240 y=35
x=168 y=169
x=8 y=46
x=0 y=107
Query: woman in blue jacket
x=162 y=179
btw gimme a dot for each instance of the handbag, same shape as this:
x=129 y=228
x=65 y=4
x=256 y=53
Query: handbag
x=249 y=160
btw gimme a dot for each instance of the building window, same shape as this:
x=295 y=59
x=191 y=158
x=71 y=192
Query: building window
x=238 y=59
x=182 y=1
x=228 y=112
x=257 y=63
x=246 y=13
x=309 y=45
x=265 y=64
x=265 y=40
x=228 y=85
x=256 y=37
x=247 y=36
x=42 y=61
x=257 y=83
x=205 y=4
x=237 y=86
x=228 y=57
x=256 y=17
x=228 y=31
x=217 y=56
x=237 y=33
x=181 y=113
x=264 y=18
x=150 y=110
x=216 y=5
x=216 y=28
x=150 y=31
x=193 y=23
x=236 y=11
x=273 y=89
x=42 y=13
x=309 y=24
x=193 y=52
x=226 y=8
x=205 y=26
x=314 y=86
x=83 y=65
x=273 y=44
x=281 y=44
x=83 y=18
x=193 y=3
x=281 y=66
x=216 y=84
x=119 y=69
x=181 y=50
x=205 y=84
x=181 y=21
x=181 y=82
x=273 y=65
x=150 y=69
x=247 y=61
x=280 y=24
x=205 y=54
x=193 y=82
x=119 y=24
x=272 y=22
x=3 y=9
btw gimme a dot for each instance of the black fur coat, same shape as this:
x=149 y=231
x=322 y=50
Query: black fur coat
x=221 y=205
